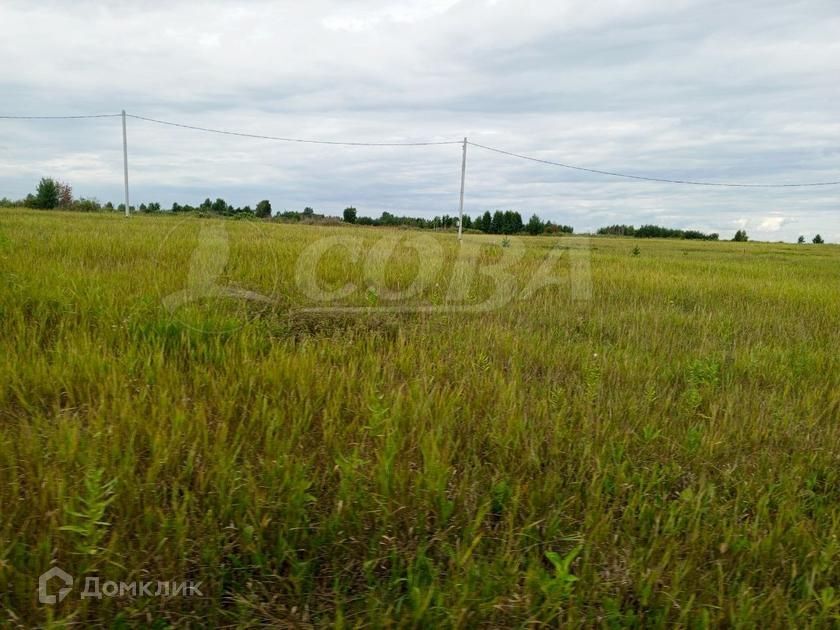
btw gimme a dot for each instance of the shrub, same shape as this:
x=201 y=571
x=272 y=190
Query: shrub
x=87 y=205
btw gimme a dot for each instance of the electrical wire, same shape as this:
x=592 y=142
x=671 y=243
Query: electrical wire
x=648 y=179
x=299 y=140
x=59 y=117
x=423 y=144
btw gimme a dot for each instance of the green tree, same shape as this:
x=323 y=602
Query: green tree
x=741 y=236
x=516 y=223
x=220 y=206
x=387 y=219
x=801 y=239
x=46 y=196
x=535 y=225
x=264 y=209
x=485 y=222
x=497 y=223
x=350 y=215
x=817 y=240
x=511 y=222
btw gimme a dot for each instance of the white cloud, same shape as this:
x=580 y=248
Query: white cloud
x=774 y=224
x=407 y=12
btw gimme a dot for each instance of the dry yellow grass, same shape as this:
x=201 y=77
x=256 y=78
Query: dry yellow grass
x=664 y=453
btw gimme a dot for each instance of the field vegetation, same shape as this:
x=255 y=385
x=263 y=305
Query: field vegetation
x=659 y=446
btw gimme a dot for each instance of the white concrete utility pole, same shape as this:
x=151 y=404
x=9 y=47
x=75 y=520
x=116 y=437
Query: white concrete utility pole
x=463 y=175
x=125 y=163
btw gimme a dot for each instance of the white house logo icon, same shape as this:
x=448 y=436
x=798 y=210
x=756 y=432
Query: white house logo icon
x=62 y=575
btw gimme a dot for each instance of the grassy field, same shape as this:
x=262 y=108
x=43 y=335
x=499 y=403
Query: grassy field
x=652 y=441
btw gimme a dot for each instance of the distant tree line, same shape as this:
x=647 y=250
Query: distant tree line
x=51 y=194
x=510 y=222
x=499 y=222
x=219 y=207
x=656 y=231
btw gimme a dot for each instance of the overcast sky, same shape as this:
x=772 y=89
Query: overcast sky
x=722 y=91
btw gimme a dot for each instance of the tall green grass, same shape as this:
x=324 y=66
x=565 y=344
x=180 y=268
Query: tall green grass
x=665 y=453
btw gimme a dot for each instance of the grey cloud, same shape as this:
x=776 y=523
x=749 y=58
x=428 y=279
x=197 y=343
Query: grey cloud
x=688 y=89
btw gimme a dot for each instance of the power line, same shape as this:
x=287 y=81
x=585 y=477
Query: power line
x=59 y=117
x=648 y=179
x=299 y=140
x=421 y=144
